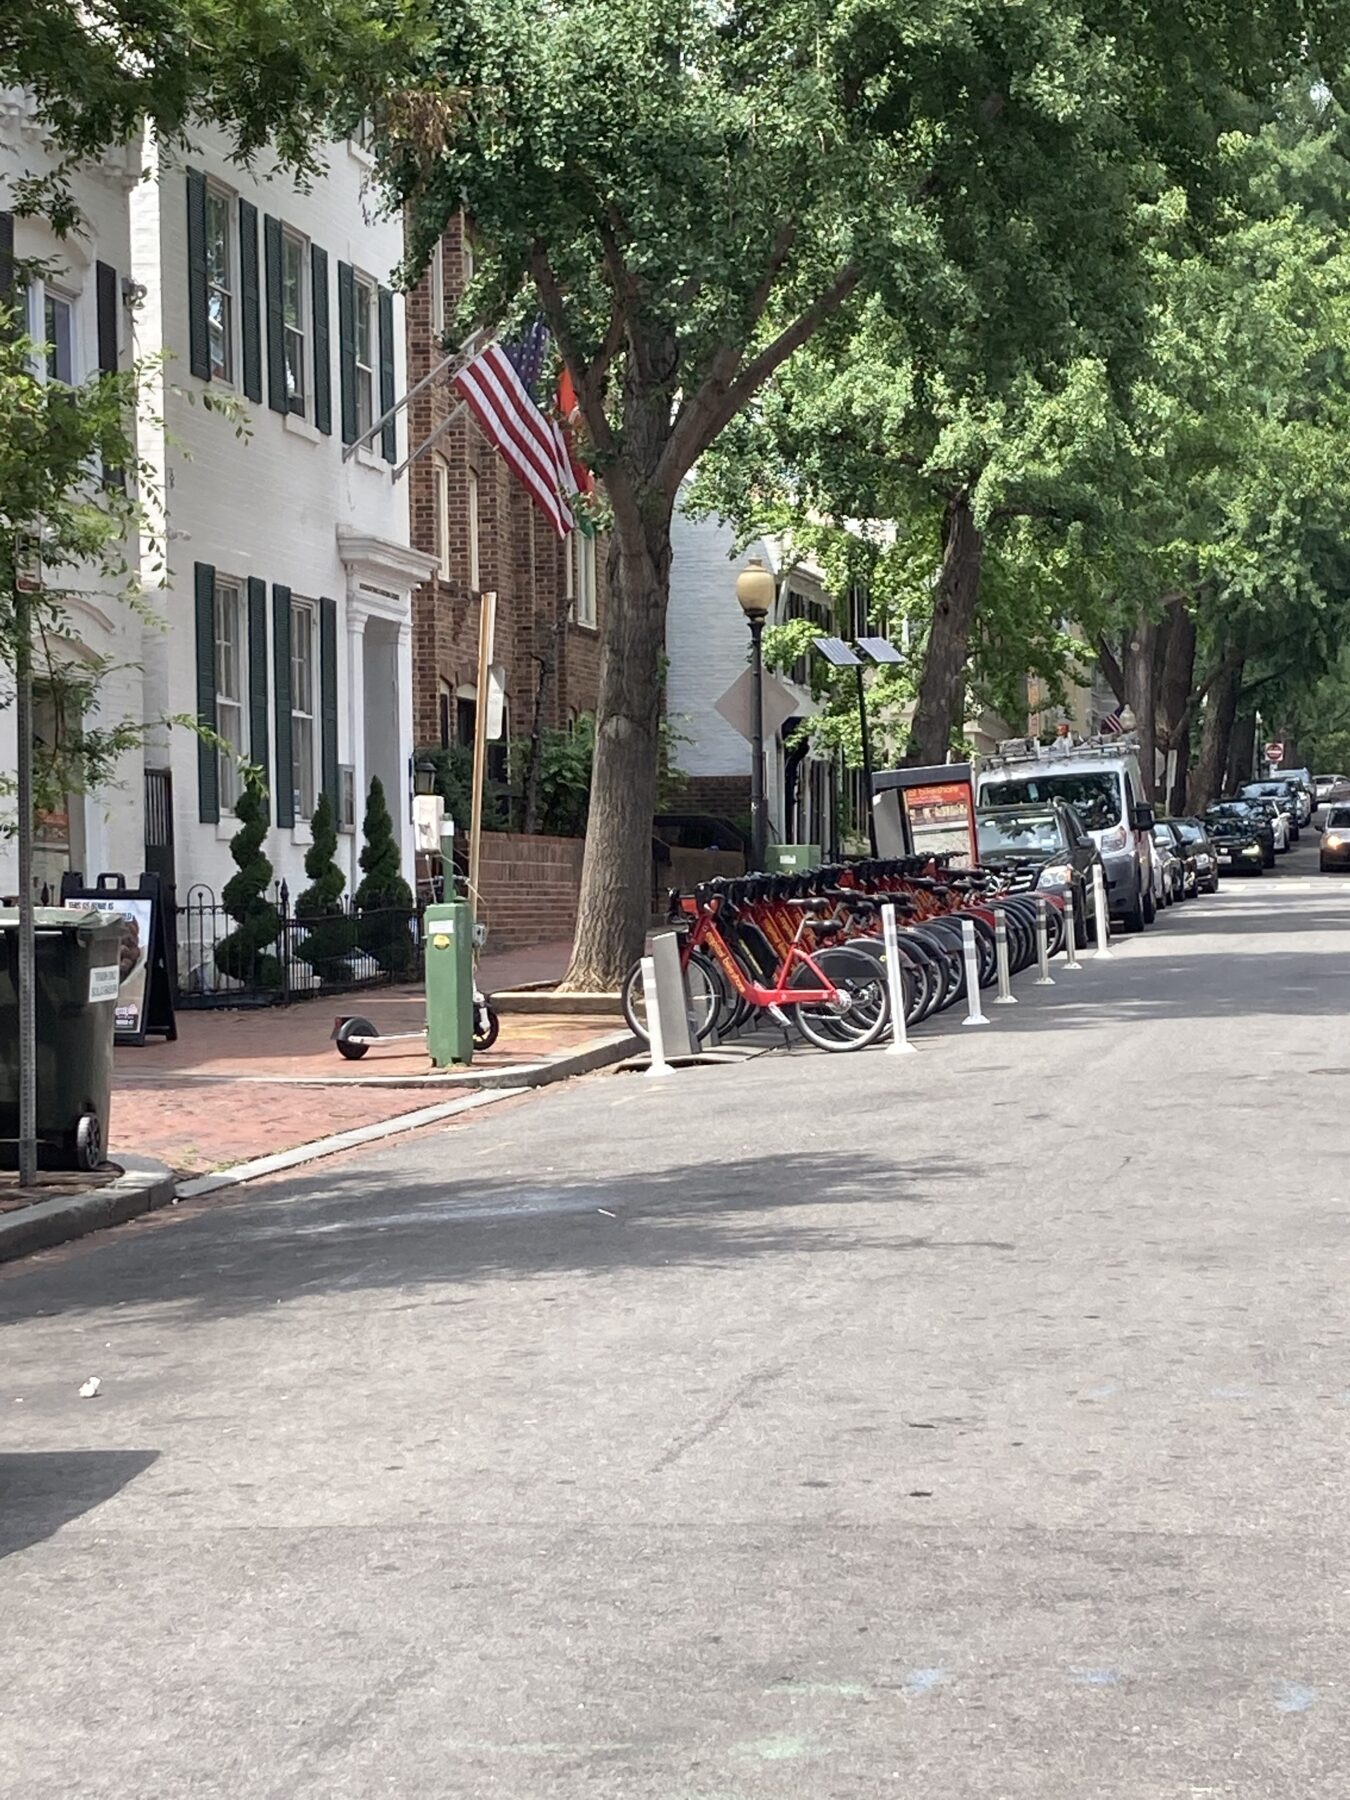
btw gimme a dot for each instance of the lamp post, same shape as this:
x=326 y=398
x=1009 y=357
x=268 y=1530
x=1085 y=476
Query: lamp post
x=756 y=591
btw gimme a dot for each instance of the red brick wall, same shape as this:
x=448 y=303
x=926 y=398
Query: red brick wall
x=529 y=888
x=519 y=557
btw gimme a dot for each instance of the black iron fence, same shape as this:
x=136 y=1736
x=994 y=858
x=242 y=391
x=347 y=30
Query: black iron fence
x=273 y=956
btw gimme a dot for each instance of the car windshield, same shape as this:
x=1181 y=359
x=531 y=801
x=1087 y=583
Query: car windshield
x=1094 y=794
x=1162 y=834
x=1230 y=809
x=1338 y=819
x=1015 y=830
x=1266 y=790
x=1188 y=831
x=1230 y=827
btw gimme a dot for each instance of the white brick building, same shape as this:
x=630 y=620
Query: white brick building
x=78 y=304
x=707 y=644
x=288 y=604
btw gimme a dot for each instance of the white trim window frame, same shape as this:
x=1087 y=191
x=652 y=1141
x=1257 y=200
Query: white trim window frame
x=304 y=687
x=441 y=476
x=365 y=333
x=583 y=580
x=54 y=323
x=221 y=285
x=231 y=654
x=438 y=291
x=475 y=567
x=295 y=301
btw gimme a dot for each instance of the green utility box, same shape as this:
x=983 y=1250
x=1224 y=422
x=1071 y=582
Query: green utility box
x=449 y=958
x=792 y=859
x=77 y=980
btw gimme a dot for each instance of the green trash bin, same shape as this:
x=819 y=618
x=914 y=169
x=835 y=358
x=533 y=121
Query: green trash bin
x=76 y=999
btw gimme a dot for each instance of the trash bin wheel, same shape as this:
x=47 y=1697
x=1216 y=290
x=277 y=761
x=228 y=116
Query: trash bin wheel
x=354 y=1028
x=89 y=1142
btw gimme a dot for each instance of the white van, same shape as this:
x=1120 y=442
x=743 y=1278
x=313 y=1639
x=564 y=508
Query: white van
x=1100 y=780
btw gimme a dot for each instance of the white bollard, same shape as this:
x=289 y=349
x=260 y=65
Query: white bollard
x=1100 y=915
x=1006 y=996
x=1045 y=978
x=1070 y=933
x=895 y=983
x=974 y=1011
x=655 y=1036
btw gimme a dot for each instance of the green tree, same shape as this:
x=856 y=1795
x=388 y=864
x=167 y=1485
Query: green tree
x=383 y=898
x=693 y=193
x=246 y=953
x=331 y=933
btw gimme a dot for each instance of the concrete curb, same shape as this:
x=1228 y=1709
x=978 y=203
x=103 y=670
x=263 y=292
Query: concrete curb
x=544 y=1000
x=143 y=1186
x=598 y=1054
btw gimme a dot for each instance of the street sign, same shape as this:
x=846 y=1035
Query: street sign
x=737 y=706
x=1274 y=752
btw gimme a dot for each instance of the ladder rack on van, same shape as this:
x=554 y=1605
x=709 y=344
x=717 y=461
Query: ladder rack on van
x=1013 y=752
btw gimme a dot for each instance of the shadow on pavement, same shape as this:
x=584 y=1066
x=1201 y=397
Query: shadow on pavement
x=357 y=1228
x=42 y=1490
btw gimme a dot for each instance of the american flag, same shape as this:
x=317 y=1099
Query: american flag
x=496 y=385
x=1112 y=724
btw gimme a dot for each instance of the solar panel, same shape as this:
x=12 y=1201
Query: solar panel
x=881 y=650
x=836 y=652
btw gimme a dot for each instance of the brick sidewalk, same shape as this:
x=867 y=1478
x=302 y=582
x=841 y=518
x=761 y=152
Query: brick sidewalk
x=237 y=1084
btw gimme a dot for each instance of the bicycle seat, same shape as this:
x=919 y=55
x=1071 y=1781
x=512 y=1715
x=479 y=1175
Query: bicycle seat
x=827 y=927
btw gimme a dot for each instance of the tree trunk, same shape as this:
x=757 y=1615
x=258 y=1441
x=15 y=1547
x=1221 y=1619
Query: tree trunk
x=615 y=900
x=1140 y=669
x=1174 y=697
x=1241 y=751
x=942 y=689
x=1212 y=763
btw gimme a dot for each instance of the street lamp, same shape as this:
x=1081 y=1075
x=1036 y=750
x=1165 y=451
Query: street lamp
x=756 y=590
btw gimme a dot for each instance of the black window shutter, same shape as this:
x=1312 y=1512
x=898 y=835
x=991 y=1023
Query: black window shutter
x=323 y=380
x=276 y=338
x=328 y=701
x=106 y=298
x=250 y=300
x=105 y=294
x=199 y=339
x=257 y=675
x=8 y=294
x=347 y=349
x=389 y=436
x=208 y=769
x=284 y=785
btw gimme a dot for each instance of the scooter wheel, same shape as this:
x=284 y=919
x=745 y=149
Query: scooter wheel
x=354 y=1028
x=486 y=1025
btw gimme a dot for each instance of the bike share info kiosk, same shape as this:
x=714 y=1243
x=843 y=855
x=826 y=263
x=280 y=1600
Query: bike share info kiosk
x=926 y=812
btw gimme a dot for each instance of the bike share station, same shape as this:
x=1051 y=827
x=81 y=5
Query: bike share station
x=923 y=831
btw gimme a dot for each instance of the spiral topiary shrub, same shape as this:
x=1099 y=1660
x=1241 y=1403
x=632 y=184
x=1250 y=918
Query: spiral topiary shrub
x=245 y=954
x=331 y=932
x=384 y=901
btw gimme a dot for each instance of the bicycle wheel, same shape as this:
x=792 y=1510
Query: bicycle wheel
x=861 y=1013
x=703 y=985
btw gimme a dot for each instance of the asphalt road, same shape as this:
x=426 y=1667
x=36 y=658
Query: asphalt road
x=966 y=1427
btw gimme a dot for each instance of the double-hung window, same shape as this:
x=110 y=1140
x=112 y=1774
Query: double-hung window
x=219 y=284
x=367 y=337
x=231 y=662
x=302 y=707
x=294 y=313
x=474 y=573
x=58 y=333
x=583 y=578
x=442 y=477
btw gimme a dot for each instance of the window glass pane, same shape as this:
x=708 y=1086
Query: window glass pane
x=293 y=319
x=302 y=709
x=58 y=322
x=230 y=664
x=219 y=289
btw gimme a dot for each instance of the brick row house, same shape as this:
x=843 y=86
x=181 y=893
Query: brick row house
x=470 y=513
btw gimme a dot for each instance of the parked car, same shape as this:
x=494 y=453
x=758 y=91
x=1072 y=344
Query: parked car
x=1102 y=783
x=1172 y=874
x=1256 y=823
x=1292 y=800
x=1335 y=850
x=1239 y=849
x=1324 y=786
x=1199 y=855
x=1280 y=823
x=1051 y=837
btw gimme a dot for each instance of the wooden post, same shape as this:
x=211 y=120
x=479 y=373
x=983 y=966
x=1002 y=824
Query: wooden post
x=487 y=621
